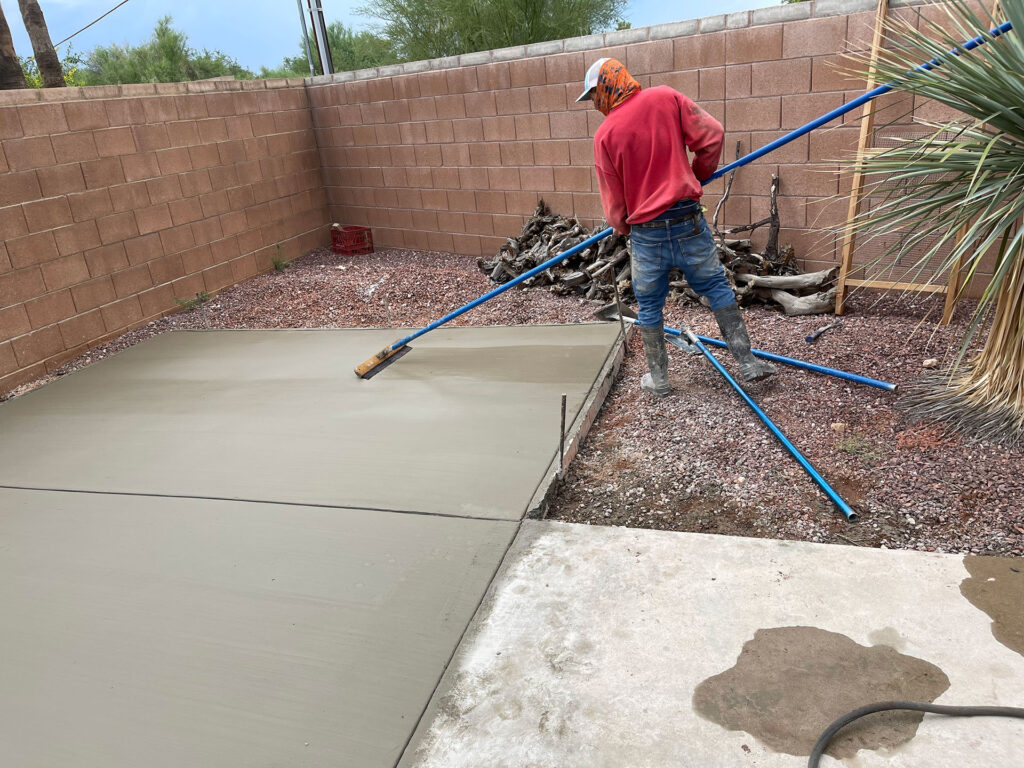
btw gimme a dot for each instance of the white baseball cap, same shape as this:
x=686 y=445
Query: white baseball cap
x=590 y=81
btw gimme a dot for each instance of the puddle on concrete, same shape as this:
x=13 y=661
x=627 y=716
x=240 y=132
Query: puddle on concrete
x=790 y=683
x=996 y=586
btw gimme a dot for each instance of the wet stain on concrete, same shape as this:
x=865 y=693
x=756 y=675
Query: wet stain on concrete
x=790 y=683
x=887 y=636
x=996 y=586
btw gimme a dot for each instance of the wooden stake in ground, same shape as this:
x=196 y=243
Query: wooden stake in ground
x=618 y=304
x=561 y=442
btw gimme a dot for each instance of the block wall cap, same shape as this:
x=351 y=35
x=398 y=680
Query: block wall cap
x=737 y=20
x=547 y=48
x=473 y=59
x=585 y=43
x=780 y=13
x=712 y=23
x=446 y=62
x=412 y=67
x=675 y=29
x=626 y=36
x=842 y=7
x=507 y=54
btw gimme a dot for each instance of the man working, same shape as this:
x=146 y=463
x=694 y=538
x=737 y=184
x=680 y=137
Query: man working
x=650 y=192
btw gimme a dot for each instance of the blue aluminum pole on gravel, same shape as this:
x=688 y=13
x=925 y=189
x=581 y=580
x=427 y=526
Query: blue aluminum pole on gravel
x=845 y=508
x=389 y=354
x=837 y=373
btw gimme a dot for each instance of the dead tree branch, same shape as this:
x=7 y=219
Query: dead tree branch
x=725 y=196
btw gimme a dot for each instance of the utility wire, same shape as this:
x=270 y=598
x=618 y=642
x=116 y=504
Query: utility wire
x=91 y=23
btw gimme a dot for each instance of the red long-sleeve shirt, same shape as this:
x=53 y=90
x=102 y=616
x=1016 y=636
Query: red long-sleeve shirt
x=640 y=153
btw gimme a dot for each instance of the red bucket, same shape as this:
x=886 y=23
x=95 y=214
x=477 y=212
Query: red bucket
x=351 y=240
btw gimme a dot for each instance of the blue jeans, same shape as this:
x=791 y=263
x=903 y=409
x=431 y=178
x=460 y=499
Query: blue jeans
x=658 y=250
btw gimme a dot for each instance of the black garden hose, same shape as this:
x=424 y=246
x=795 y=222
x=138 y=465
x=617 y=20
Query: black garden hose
x=882 y=706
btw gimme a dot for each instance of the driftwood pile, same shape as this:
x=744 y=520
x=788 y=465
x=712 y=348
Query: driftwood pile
x=770 y=277
x=545 y=235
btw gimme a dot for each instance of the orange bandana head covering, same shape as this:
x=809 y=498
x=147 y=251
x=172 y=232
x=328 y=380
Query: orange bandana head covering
x=614 y=86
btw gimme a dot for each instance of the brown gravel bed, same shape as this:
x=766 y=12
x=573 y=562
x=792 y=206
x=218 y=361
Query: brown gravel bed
x=698 y=460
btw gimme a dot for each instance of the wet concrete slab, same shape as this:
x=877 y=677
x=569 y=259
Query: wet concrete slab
x=605 y=647
x=140 y=631
x=222 y=548
x=465 y=424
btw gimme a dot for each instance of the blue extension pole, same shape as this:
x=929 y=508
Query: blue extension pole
x=836 y=372
x=505 y=286
x=845 y=508
x=839 y=374
x=368 y=366
x=771 y=147
x=969 y=45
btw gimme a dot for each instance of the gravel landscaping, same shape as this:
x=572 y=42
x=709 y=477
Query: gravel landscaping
x=698 y=460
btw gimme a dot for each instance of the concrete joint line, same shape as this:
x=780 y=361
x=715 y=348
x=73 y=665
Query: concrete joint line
x=272 y=502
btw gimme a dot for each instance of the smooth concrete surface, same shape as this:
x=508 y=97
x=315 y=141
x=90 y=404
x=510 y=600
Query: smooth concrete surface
x=223 y=549
x=146 y=632
x=465 y=424
x=594 y=645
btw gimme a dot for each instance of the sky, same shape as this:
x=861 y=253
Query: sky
x=261 y=32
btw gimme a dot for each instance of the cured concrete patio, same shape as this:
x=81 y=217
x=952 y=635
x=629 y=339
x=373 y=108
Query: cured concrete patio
x=607 y=647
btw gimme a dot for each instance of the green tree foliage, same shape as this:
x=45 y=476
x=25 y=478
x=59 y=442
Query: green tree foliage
x=955 y=193
x=165 y=58
x=426 y=29
x=350 y=50
x=71 y=65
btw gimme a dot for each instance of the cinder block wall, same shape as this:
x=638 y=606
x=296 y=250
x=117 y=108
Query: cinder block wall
x=115 y=201
x=452 y=154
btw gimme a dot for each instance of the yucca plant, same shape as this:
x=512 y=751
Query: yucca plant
x=967 y=175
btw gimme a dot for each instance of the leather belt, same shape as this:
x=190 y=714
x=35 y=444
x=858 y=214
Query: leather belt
x=694 y=217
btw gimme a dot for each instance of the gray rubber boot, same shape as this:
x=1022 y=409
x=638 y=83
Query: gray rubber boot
x=655 y=382
x=735 y=332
